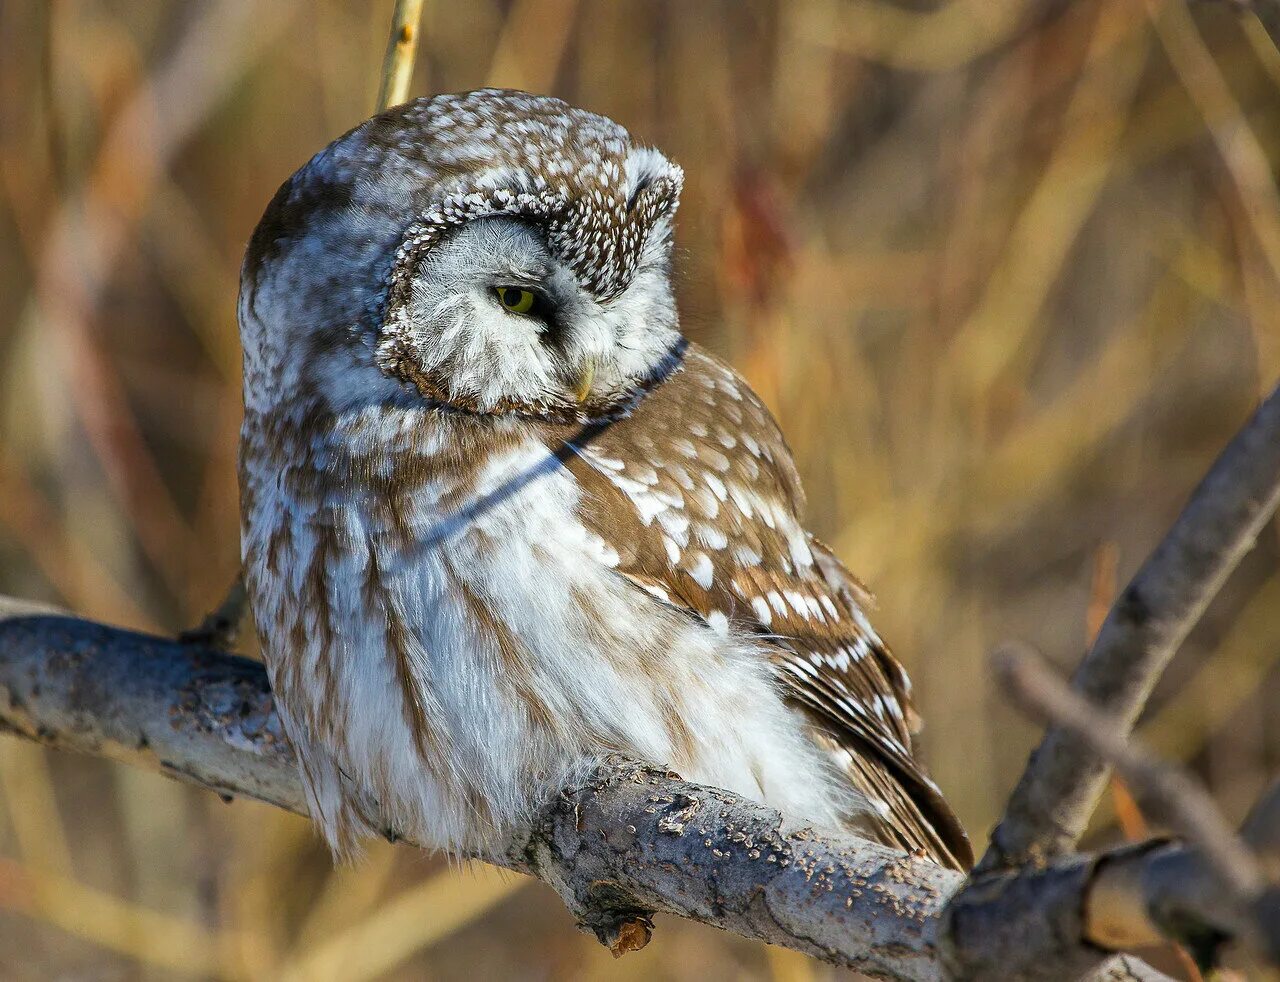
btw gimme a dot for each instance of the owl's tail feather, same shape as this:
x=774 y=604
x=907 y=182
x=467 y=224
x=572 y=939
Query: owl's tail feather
x=916 y=817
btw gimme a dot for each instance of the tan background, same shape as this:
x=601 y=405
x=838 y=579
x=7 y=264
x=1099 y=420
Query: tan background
x=986 y=261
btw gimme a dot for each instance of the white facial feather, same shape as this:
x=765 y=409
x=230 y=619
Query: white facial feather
x=491 y=357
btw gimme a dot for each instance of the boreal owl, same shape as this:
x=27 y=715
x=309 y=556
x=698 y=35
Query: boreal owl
x=501 y=520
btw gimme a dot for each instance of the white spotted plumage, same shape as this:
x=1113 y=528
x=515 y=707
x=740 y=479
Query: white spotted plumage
x=486 y=548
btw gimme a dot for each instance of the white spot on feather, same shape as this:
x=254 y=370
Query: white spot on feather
x=761 y=610
x=676 y=525
x=712 y=537
x=698 y=565
x=673 y=550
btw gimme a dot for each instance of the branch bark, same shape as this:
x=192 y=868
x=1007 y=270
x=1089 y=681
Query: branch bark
x=630 y=842
x=1064 y=779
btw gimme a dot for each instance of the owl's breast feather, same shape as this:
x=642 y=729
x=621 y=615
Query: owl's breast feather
x=449 y=643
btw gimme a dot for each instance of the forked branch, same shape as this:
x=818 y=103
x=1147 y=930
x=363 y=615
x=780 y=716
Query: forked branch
x=1064 y=779
x=1227 y=867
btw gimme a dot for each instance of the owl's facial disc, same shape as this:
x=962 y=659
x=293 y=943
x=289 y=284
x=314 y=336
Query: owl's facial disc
x=497 y=324
x=494 y=251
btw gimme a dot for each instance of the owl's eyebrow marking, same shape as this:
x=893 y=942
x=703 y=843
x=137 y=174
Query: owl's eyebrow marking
x=523 y=261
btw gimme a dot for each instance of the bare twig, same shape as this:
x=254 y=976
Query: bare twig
x=1051 y=805
x=402 y=51
x=1132 y=822
x=1121 y=908
x=1163 y=790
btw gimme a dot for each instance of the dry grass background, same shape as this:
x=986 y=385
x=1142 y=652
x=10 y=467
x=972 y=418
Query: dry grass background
x=1006 y=270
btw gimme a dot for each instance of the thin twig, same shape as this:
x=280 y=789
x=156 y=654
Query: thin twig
x=402 y=51
x=1064 y=779
x=221 y=626
x=1163 y=790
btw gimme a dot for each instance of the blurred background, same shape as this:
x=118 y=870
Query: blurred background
x=1006 y=271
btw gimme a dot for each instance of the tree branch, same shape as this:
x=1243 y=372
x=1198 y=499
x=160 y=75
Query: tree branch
x=1064 y=779
x=630 y=842
x=1224 y=866
x=1164 y=791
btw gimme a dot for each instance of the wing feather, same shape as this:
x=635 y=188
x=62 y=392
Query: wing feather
x=697 y=493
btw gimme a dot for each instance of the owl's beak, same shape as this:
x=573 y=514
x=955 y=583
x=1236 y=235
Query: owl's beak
x=582 y=385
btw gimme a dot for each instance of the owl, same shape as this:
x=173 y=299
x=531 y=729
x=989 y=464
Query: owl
x=501 y=520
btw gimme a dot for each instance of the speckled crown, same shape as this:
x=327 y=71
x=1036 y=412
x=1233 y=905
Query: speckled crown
x=577 y=174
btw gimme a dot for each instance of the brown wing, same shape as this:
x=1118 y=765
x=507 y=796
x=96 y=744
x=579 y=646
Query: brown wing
x=697 y=492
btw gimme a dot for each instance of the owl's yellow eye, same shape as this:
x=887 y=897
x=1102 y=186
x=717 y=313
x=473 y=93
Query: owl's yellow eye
x=514 y=299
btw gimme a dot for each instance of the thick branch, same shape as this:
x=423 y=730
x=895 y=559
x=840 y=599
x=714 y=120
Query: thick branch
x=630 y=842
x=1064 y=779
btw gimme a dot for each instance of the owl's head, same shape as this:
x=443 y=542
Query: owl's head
x=495 y=252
